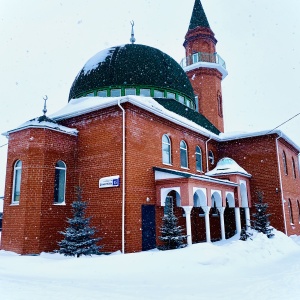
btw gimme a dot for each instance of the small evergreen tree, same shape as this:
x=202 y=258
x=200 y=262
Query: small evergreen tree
x=78 y=236
x=244 y=235
x=261 y=221
x=171 y=234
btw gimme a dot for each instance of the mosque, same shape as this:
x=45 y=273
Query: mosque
x=138 y=132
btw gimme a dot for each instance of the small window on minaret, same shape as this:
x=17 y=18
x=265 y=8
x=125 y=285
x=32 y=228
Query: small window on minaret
x=220 y=105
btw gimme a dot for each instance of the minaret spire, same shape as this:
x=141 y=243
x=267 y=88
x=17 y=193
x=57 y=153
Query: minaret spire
x=45 y=105
x=204 y=67
x=198 y=16
x=132 y=39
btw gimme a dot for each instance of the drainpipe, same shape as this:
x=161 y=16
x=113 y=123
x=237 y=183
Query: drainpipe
x=123 y=177
x=280 y=180
x=207 y=153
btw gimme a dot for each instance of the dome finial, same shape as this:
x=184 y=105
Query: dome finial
x=132 y=39
x=45 y=106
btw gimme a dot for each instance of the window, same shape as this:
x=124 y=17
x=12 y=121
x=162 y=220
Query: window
x=168 y=208
x=211 y=157
x=115 y=93
x=290 y=211
x=197 y=103
x=181 y=99
x=183 y=155
x=284 y=163
x=60 y=182
x=198 y=154
x=171 y=95
x=17 y=182
x=220 y=105
x=145 y=92
x=158 y=94
x=102 y=93
x=188 y=103
x=130 y=92
x=293 y=167
x=90 y=94
x=195 y=58
x=298 y=211
x=166 y=150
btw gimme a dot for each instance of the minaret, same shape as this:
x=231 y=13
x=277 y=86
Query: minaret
x=204 y=67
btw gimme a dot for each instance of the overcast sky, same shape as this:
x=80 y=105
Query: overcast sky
x=45 y=43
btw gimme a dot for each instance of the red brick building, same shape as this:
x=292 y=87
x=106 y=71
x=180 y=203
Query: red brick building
x=140 y=129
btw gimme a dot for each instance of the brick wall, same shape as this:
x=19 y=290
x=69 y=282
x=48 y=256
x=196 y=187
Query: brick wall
x=258 y=156
x=26 y=228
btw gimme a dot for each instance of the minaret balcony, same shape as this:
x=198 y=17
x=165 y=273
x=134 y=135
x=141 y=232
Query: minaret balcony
x=204 y=60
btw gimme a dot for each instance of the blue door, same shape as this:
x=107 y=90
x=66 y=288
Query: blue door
x=148 y=227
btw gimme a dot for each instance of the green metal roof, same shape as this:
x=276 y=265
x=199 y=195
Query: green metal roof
x=188 y=113
x=131 y=65
x=198 y=16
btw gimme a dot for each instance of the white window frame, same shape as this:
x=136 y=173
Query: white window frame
x=168 y=144
x=57 y=179
x=184 y=154
x=198 y=153
x=16 y=181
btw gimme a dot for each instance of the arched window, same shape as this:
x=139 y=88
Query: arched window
x=284 y=163
x=17 y=182
x=298 y=204
x=211 y=157
x=183 y=155
x=166 y=150
x=293 y=167
x=290 y=211
x=198 y=154
x=60 y=182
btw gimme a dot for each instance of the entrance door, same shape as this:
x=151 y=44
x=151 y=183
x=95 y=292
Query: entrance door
x=148 y=227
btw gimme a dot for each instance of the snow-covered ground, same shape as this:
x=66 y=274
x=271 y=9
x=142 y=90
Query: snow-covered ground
x=257 y=269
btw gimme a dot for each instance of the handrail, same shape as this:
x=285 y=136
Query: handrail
x=202 y=57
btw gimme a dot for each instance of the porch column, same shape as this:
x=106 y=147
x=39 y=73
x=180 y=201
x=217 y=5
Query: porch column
x=247 y=215
x=237 y=220
x=187 y=210
x=221 y=210
x=206 y=210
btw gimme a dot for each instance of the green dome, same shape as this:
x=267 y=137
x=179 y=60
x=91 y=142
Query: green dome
x=132 y=66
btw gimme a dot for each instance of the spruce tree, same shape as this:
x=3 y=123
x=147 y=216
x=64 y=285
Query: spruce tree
x=244 y=235
x=261 y=221
x=79 y=235
x=171 y=234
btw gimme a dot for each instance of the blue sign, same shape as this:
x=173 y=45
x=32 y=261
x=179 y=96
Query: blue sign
x=107 y=182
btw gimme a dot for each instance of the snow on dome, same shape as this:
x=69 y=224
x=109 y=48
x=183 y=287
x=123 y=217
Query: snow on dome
x=97 y=59
x=227 y=166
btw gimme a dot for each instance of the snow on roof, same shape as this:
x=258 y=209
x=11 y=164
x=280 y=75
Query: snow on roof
x=227 y=166
x=84 y=105
x=35 y=123
x=242 y=135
